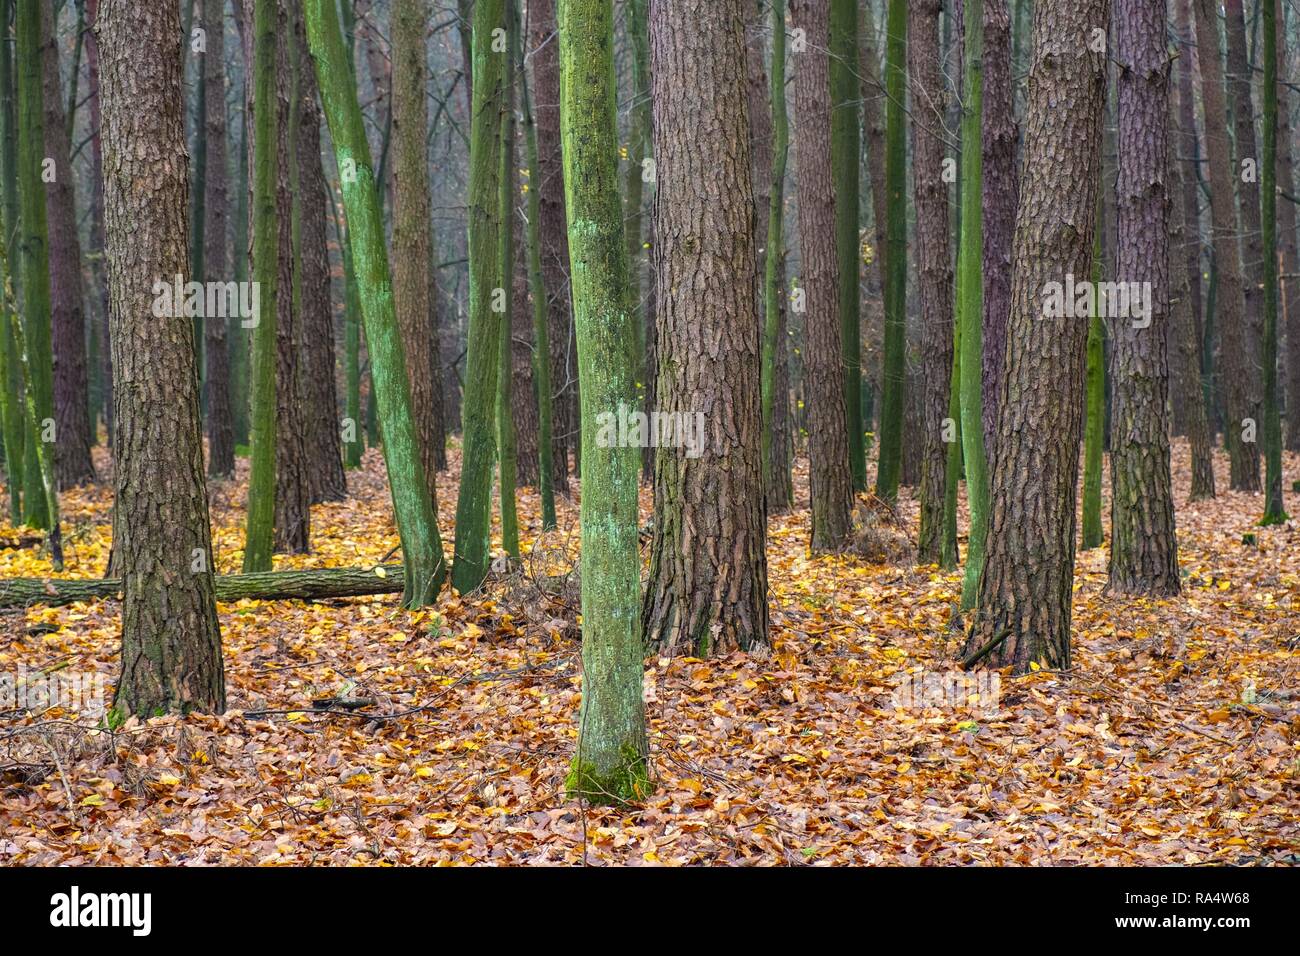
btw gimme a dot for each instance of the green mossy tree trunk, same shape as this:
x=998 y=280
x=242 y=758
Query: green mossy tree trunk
x=416 y=523
x=506 y=438
x=1094 y=428
x=34 y=250
x=893 y=400
x=970 y=299
x=610 y=763
x=259 y=532
x=487 y=296
x=1274 y=512
x=780 y=493
x=11 y=416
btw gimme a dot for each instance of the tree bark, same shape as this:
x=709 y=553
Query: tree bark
x=1286 y=243
x=73 y=436
x=412 y=236
x=1144 y=544
x=933 y=269
x=317 y=584
x=554 y=236
x=1185 y=146
x=610 y=763
x=171 y=642
x=326 y=480
x=1240 y=340
x=708 y=568
x=1000 y=192
x=1024 y=606
x=221 y=432
x=831 y=485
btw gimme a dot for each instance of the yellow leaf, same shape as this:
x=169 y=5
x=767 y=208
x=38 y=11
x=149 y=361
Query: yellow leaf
x=94 y=800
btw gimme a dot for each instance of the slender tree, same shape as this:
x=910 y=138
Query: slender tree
x=1094 y=428
x=846 y=141
x=1144 y=545
x=33 y=245
x=708 y=568
x=1287 y=239
x=1186 y=149
x=487 y=295
x=544 y=56
x=221 y=429
x=637 y=32
x=171 y=642
x=933 y=268
x=416 y=521
x=1274 y=512
x=893 y=380
x=412 y=238
x=831 y=483
x=73 y=436
x=610 y=763
x=507 y=442
x=776 y=461
x=970 y=299
x=1023 y=611
x=258 y=537
x=14 y=429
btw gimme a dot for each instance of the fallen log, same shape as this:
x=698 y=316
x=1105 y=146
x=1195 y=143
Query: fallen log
x=316 y=584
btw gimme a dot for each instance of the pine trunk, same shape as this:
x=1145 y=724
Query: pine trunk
x=831 y=483
x=1024 y=607
x=171 y=642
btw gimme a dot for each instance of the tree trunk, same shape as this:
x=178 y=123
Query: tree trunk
x=708 y=569
x=416 y=520
x=893 y=379
x=1144 y=544
x=486 y=298
x=1274 y=512
x=1240 y=91
x=292 y=486
x=1186 y=142
x=554 y=235
x=775 y=383
x=33 y=248
x=610 y=763
x=73 y=436
x=171 y=642
x=326 y=480
x=11 y=400
x=1286 y=242
x=1023 y=611
x=831 y=484
x=412 y=237
x=221 y=433
x=258 y=537
x=506 y=440
x=317 y=584
x=933 y=269
x=1184 y=343
x=1000 y=173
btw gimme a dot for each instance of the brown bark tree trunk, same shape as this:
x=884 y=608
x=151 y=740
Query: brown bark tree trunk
x=292 y=491
x=1289 y=320
x=708 y=568
x=934 y=268
x=554 y=234
x=72 y=434
x=323 y=444
x=1024 y=605
x=523 y=395
x=1239 y=365
x=97 y=215
x=828 y=454
x=1186 y=142
x=999 y=135
x=412 y=217
x=1184 y=338
x=171 y=642
x=221 y=429
x=1144 y=544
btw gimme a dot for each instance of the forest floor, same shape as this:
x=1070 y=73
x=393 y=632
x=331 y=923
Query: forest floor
x=1174 y=740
